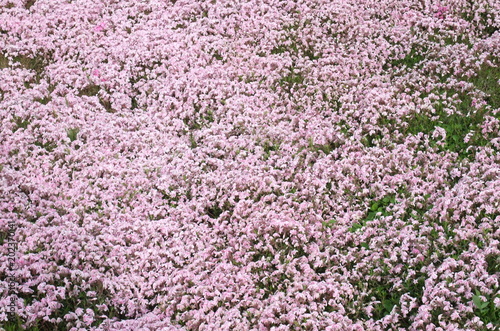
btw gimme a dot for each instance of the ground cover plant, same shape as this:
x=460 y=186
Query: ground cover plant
x=250 y=165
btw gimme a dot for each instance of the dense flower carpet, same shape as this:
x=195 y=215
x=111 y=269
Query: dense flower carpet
x=249 y=165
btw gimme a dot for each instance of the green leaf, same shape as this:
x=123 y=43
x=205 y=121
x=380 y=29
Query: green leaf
x=72 y=133
x=375 y=206
x=478 y=302
x=388 y=305
x=355 y=227
x=329 y=223
x=370 y=216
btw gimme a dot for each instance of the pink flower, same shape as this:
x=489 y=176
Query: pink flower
x=100 y=27
x=441 y=11
x=221 y=176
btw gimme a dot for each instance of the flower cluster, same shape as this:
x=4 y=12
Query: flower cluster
x=251 y=165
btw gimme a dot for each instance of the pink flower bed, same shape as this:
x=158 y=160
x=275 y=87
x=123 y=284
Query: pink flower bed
x=250 y=165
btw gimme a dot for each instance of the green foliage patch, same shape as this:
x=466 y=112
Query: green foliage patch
x=377 y=208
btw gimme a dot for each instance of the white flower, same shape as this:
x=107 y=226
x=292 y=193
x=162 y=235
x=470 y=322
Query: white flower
x=439 y=133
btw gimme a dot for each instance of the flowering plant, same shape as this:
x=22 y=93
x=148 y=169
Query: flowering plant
x=249 y=165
